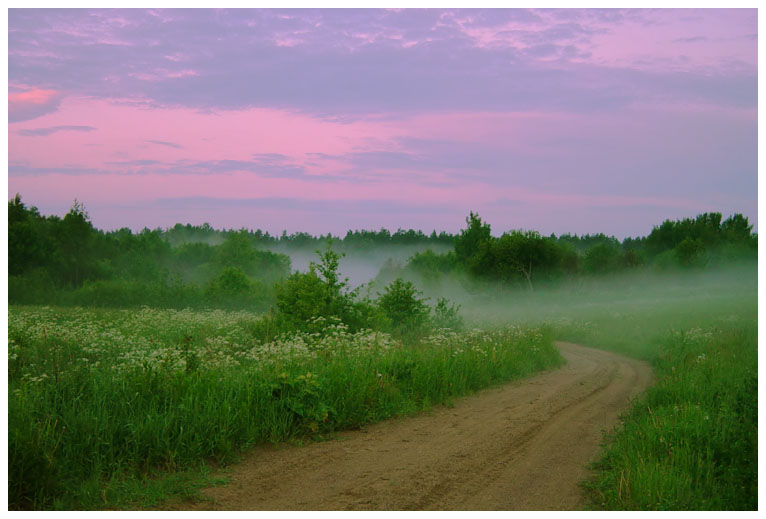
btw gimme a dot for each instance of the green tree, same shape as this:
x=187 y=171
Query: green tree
x=472 y=246
x=525 y=254
x=25 y=247
x=320 y=292
x=75 y=240
x=690 y=252
x=236 y=251
x=404 y=309
x=602 y=258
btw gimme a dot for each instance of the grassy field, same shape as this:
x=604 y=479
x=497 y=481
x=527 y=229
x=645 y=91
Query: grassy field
x=116 y=408
x=101 y=403
x=691 y=441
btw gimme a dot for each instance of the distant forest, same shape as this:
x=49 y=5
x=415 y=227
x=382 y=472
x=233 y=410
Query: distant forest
x=66 y=261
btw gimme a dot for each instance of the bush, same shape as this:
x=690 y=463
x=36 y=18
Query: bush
x=406 y=313
x=320 y=292
x=446 y=315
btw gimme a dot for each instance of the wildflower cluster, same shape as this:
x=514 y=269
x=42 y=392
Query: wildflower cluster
x=169 y=341
x=691 y=337
x=487 y=342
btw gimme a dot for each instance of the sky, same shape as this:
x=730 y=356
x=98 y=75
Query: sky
x=560 y=121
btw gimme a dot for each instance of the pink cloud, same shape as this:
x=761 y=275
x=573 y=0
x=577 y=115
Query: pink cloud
x=31 y=103
x=127 y=130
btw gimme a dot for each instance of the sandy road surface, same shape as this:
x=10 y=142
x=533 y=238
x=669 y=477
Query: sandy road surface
x=522 y=446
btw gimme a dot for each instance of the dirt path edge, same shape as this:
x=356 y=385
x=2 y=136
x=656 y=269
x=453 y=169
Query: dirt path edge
x=522 y=446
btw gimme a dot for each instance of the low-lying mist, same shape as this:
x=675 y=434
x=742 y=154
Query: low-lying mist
x=358 y=266
x=628 y=311
x=662 y=296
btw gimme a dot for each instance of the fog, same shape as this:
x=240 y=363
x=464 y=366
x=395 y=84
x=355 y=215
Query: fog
x=616 y=302
x=359 y=266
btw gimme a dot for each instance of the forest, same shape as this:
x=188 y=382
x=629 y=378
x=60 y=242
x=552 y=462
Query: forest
x=67 y=261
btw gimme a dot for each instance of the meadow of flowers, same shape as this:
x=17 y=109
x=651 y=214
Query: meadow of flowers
x=97 y=396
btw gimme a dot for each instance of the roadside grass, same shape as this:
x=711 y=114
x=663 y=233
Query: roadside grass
x=108 y=409
x=691 y=441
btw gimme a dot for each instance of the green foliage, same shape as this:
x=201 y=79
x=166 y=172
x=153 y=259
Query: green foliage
x=74 y=242
x=234 y=289
x=602 y=258
x=527 y=258
x=320 y=292
x=694 y=239
x=690 y=443
x=525 y=255
x=447 y=315
x=404 y=309
x=300 y=298
x=88 y=416
x=232 y=281
x=471 y=244
x=431 y=267
x=25 y=247
x=67 y=261
x=690 y=252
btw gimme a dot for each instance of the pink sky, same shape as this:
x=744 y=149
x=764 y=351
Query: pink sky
x=324 y=121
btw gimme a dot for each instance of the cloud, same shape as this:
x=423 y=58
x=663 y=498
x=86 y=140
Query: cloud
x=304 y=205
x=136 y=162
x=691 y=39
x=34 y=132
x=264 y=166
x=166 y=143
x=371 y=61
x=24 y=170
x=32 y=103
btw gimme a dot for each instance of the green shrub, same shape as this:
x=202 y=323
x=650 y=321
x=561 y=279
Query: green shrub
x=447 y=315
x=320 y=292
x=406 y=312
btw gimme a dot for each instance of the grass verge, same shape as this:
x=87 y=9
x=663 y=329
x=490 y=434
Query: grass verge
x=112 y=408
x=691 y=442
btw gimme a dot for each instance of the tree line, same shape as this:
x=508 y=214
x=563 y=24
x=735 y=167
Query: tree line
x=527 y=258
x=53 y=260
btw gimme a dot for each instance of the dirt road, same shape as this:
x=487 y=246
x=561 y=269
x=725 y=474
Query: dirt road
x=523 y=446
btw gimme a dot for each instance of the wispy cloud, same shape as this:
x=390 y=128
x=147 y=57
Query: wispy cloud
x=691 y=39
x=371 y=61
x=303 y=205
x=165 y=143
x=36 y=132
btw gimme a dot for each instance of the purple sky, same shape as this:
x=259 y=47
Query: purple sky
x=327 y=120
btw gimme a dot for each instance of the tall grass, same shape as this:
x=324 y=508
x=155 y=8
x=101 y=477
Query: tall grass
x=97 y=398
x=691 y=442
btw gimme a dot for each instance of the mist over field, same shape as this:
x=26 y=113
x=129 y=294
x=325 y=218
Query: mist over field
x=360 y=266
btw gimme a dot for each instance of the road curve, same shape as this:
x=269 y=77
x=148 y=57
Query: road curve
x=523 y=446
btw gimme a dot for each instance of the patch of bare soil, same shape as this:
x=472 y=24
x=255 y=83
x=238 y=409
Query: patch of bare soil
x=522 y=446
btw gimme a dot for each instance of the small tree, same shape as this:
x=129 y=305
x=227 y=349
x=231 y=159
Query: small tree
x=447 y=315
x=75 y=240
x=320 y=292
x=406 y=312
x=472 y=241
x=524 y=254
